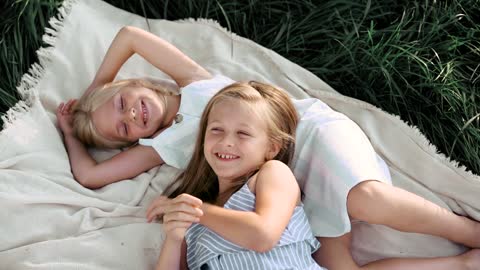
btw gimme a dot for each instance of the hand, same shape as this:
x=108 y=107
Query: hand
x=178 y=214
x=65 y=117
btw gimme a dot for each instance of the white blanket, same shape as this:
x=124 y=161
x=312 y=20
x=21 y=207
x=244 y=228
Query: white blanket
x=49 y=221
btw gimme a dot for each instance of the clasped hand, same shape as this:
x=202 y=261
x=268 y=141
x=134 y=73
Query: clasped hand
x=178 y=214
x=65 y=117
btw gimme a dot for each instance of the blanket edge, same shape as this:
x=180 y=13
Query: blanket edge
x=29 y=80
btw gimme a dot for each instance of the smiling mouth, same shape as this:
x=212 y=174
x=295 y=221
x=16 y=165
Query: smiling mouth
x=226 y=156
x=144 y=113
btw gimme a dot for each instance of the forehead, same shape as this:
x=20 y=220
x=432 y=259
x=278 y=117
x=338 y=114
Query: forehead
x=240 y=112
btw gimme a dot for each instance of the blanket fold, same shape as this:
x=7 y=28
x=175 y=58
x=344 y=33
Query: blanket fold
x=50 y=221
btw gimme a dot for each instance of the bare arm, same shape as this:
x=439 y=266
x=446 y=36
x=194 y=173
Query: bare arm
x=175 y=225
x=277 y=194
x=125 y=165
x=173 y=255
x=158 y=52
x=91 y=174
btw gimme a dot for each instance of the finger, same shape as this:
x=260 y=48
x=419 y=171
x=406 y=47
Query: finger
x=159 y=218
x=187 y=198
x=67 y=108
x=174 y=208
x=60 y=106
x=155 y=213
x=182 y=207
x=158 y=202
x=158 y=207
x=180 y=216
x=70 y=103
x=177 y=225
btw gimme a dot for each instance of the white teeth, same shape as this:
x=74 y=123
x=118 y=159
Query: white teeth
x=144 y=110
x=226 y=156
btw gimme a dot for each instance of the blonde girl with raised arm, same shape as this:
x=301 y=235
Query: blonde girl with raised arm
x=341 y=176
x=117 y=114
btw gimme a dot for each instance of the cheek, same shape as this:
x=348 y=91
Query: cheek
x=206 y=152
x=207 y=145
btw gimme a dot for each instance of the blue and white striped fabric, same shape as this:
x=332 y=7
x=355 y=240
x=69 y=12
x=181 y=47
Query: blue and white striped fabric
x=208 y=250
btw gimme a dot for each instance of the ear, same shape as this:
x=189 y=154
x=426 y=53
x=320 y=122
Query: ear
x=272 y=151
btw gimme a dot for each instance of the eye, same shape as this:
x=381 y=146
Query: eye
x=121 y=103
x=244 y=134
x=125 y=129
x=216 y=130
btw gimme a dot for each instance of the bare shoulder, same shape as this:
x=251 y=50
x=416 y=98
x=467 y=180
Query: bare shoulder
x=275 y=173
x=275 y=167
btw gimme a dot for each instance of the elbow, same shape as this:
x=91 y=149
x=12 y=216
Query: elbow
x=127 y=30
x=264 y=241
x=86 y=181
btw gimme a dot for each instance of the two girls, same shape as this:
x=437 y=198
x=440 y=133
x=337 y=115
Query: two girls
x=341 y=176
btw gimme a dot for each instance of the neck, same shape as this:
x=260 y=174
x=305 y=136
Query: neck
x=172 y=104
x=224 y=191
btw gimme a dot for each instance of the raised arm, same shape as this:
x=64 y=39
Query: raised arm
x=161 y=54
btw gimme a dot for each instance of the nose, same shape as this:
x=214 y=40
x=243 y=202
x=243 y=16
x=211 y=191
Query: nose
x=228 y=140
x=130 y=115
x=133 y=114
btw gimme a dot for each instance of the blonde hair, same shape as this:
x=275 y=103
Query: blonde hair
x=275 y=107
x=83 y=126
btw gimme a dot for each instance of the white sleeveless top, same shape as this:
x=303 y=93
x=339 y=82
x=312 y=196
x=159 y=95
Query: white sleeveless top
x=332 y=154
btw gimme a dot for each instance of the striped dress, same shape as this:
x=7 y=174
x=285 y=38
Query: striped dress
x=208 y=250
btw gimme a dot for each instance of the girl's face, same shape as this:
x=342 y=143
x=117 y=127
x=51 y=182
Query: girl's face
x=236 y=141
x=133 y=113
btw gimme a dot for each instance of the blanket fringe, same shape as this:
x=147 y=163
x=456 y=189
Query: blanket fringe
x=411 y=130
x=28 y=82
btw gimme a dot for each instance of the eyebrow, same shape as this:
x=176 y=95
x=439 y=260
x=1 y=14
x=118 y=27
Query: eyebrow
x=242 y=125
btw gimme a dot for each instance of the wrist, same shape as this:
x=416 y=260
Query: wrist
x=173 y=240
x=69 y=136
x=206 y=207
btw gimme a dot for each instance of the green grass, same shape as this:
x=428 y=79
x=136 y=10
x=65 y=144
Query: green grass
x=416 y=59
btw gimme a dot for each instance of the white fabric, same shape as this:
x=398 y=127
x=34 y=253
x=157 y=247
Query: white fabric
x=332 y=155
x=176 y=143
x=49 y=221
x=326 y=161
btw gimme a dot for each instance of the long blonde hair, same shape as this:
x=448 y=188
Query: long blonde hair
x=199 y=179
x=83 y=126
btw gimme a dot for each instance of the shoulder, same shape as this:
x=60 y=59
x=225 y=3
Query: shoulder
x=273 y=166
x=275 y=173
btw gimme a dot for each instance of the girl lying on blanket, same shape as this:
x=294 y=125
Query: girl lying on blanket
x=340 y=174
x=245 y=140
